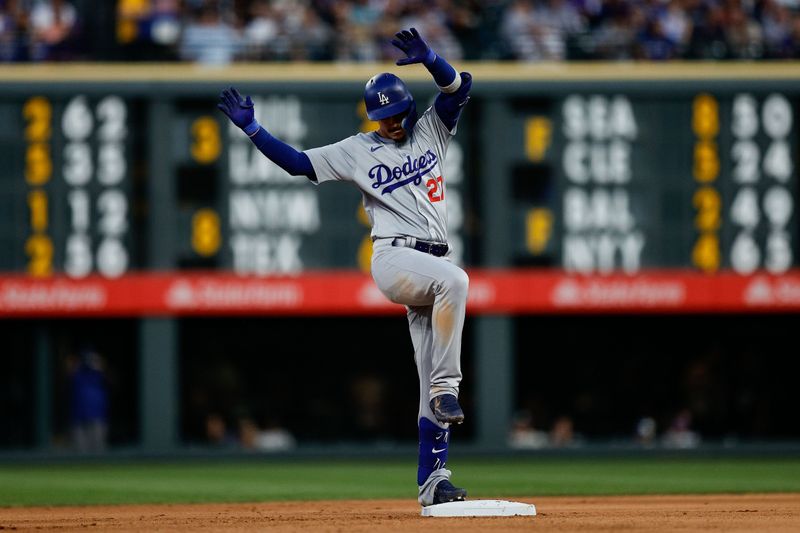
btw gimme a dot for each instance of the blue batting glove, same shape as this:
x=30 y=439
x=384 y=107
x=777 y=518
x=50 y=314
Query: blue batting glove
x=239 y=110
x=414 y=47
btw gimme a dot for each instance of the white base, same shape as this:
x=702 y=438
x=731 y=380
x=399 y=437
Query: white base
x=480 y=508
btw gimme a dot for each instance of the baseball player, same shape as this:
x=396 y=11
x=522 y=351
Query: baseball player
x=399 y=170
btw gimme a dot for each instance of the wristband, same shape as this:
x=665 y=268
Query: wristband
x=252 y=128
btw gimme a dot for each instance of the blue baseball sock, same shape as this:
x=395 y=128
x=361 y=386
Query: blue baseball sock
x=433 y=442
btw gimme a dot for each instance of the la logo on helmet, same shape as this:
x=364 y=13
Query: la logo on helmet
x=382 y=98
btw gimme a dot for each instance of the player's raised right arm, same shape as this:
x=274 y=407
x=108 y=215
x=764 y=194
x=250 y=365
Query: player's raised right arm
x=241 y=112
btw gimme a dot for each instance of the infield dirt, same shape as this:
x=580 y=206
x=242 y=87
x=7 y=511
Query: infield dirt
x=748 y=512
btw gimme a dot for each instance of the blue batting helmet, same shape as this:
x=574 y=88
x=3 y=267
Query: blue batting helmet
x=386 y=95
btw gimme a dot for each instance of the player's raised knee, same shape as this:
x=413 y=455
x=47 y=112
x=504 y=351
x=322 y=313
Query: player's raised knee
x=459 y=283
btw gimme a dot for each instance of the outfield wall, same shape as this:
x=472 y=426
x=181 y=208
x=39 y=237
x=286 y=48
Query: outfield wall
x=630 y=232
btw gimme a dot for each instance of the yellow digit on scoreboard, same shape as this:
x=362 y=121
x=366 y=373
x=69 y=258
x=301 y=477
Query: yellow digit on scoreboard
x=706 y=253
x=38 y=164
x=206 y=143
x=538 y=134
x=538 y=229
x=40 y=251
x=705 y=116
x=706 y=161
x=709 y=209
x=206 y=236
x=37 y=204
x=38 y=113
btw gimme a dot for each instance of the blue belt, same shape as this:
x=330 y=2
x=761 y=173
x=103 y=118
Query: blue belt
x=434 y=248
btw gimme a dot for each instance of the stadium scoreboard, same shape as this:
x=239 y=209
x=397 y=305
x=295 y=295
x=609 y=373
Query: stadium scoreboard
x=66 y=194
x=582 y=175
x=705 y=180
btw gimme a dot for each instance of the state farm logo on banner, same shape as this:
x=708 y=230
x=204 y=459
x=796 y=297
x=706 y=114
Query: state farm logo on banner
x=759 y=292
x=180 y=294
x=763 y=291
x=56 y=296
x=567 y=294
x=618 y=293
x=233 y=294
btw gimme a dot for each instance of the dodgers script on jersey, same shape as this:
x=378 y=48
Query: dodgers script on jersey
x=402 y=183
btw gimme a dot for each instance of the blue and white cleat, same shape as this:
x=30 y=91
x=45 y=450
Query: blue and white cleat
x=446 y=492
x=446 y=409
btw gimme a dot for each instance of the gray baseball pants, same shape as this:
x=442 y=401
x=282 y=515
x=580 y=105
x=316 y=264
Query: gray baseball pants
x=434 y=291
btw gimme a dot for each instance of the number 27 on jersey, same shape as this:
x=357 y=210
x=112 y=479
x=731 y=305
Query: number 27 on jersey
x=435 y=189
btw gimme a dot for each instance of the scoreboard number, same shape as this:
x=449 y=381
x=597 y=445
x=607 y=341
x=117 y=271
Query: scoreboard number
x=206 y=235
x=707 y=201
x=94 y=170
x=39 y=249
x=206 y=141
x=762 y=184
x=37 y=113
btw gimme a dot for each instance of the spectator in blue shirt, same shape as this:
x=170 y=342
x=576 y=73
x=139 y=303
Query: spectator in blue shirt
x=89 y=402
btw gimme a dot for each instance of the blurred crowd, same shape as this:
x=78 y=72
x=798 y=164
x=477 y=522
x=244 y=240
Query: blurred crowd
x=222 y=31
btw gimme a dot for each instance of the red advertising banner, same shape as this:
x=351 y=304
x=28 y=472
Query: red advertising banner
x=353 y=293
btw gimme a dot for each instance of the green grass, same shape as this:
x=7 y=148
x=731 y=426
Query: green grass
x=239 y=481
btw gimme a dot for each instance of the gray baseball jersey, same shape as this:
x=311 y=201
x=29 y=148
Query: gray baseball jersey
x=402 y=183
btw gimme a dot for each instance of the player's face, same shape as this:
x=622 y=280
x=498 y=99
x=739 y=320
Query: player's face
x=392 y=127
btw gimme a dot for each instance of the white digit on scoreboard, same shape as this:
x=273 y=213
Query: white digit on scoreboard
x=112 y=258
x=79 y=205
x=746 y=155
x=78 y=259
x=111 y=164
x=113 y=207
x=744 y=209
x=112 y=114
x=78 y=166
x=77 y=122
x=778 y=161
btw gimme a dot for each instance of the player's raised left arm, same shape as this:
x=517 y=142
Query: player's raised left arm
x=418 y=51
x=454 y=87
